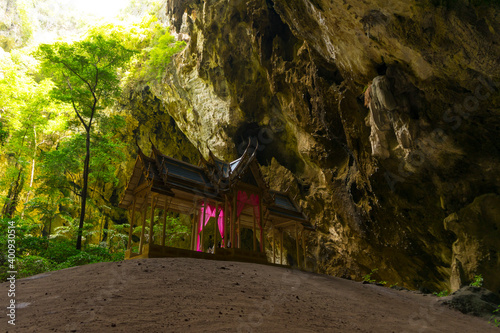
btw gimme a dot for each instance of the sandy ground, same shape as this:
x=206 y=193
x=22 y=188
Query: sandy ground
x=192 y=295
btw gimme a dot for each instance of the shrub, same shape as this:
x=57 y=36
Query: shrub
x=59 y=250
x=35 y=245
x=478 y=281
x=118 y=256
x=104 y=254
x=442 y=293
x=100 y=252
x=495 y=318
x=82 y=258
x=33 y=265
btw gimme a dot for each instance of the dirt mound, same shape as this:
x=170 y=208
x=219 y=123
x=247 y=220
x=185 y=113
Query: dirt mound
x=191 y=295
x=473 y=300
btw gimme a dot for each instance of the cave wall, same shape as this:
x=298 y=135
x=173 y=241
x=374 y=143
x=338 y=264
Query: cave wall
x=380 y=117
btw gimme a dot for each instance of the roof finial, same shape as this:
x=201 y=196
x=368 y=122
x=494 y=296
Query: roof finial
x=140 y=152
x=153 y=147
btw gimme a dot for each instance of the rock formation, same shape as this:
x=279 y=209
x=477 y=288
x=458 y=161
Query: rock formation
x=381 y=117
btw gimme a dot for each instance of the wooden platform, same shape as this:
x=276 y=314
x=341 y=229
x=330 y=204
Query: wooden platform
x=158 y=251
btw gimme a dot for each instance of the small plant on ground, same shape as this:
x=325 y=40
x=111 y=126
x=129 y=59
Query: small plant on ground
x=442 y=293
x=495 y=318
x=368 y=277
x=478 y=281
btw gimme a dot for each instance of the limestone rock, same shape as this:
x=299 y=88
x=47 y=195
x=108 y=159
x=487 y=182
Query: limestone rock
x=292 y=75
x=475 y=251
x=473 y=300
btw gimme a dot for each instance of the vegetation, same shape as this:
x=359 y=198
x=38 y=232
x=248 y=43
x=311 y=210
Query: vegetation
x=64 y=143
x=442 y=293
x=368 y=277
x=478 y=281
x=37 y=254
x=156 y=45
x=85 y=76
x=495 y=317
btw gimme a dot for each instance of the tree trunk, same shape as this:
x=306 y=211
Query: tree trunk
x=84 y=190
x=10 y=205
x=105 y=230
x=32 y=176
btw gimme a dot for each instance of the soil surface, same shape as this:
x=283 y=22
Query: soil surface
x=192 y=295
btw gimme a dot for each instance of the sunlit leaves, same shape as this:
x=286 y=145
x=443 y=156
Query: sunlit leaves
x=61 y=168
x=41 y=118
x=85 y=72
x=156 y=47
x=28 y=116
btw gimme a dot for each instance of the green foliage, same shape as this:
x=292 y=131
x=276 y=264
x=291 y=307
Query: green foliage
x=85 y=72
x=86 y=75
x=368 y=277
x=104 y=254
x=60 y=250
x=157 y=47
x=82 y=258
x=495 y=317
x=33 y=245
x=91 y=255
x=26 y=116
x=118 y=239
x=4 y=134
x=442 y=293
x=46 y=208
x=56 y=101
x=33 y=265
x=25 y=243
x=36 y=255
x=162 y=51
x=176 y=231
x=107 y=153
x=478 y=281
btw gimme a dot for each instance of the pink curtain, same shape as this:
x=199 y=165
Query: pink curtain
x=242 y=200
x=210 y=212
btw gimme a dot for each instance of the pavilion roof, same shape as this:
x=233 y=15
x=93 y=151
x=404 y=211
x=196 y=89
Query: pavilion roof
x=174 y=178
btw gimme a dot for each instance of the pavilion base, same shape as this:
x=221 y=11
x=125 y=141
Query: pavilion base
x=158 y=251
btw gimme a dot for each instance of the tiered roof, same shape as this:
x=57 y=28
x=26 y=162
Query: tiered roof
x=215 y=178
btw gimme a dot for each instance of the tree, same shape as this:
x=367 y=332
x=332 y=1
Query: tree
x=25 y=119
x=85 y=74
x=59 y=175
